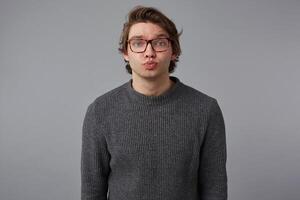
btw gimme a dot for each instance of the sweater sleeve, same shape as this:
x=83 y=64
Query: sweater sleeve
x=212 y=168
x=94 y=158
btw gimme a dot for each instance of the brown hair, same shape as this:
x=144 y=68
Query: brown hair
x=150 y=14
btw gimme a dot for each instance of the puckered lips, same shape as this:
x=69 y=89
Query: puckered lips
x=150 y=65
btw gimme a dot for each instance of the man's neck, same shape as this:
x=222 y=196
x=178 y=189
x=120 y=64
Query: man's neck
x=152 y=87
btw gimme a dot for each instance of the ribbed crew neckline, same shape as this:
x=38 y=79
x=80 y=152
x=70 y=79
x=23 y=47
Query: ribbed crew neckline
x=140 y=98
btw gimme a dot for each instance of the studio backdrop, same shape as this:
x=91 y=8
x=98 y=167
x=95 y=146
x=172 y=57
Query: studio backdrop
x=56 y=57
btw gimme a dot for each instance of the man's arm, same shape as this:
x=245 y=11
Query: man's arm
x=94 y=158
x=212 y=170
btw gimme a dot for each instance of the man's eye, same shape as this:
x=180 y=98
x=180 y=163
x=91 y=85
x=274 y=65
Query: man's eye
x=138 y=43
x=161 y=43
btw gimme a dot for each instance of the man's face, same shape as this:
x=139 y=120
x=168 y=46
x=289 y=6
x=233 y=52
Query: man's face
x=149 y=64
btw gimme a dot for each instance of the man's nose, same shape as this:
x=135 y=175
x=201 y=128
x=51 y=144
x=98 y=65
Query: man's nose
x=150 y=52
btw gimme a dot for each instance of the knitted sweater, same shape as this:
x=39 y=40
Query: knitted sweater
x=167 y=147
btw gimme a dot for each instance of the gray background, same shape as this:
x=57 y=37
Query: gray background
x=56 y=57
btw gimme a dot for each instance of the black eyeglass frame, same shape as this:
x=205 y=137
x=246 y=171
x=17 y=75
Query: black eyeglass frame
x=147 y=42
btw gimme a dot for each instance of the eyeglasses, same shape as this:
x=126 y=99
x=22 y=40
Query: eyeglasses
x=140 y=45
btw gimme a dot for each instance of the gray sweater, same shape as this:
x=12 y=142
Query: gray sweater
x=167 y=147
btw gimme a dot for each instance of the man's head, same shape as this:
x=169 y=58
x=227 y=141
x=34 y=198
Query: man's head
x=143 y=19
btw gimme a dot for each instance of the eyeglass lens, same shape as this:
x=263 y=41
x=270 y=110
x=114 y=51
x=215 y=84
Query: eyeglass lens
x=140 y=45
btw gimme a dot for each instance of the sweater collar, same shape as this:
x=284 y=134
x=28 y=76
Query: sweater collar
x=170 y=94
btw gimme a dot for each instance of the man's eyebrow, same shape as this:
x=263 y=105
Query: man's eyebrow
x=162 y=35
x=136 y=37
x=142 y=37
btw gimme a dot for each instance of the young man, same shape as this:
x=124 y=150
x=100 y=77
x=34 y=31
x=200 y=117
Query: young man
x=153 y=138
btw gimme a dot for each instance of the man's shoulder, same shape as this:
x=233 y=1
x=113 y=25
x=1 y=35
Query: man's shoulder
x=196 y=95
x=110 y=97
x=198 y=101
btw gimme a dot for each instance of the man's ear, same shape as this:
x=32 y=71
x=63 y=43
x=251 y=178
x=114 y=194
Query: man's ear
x=174 y=56
x=125 y=56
